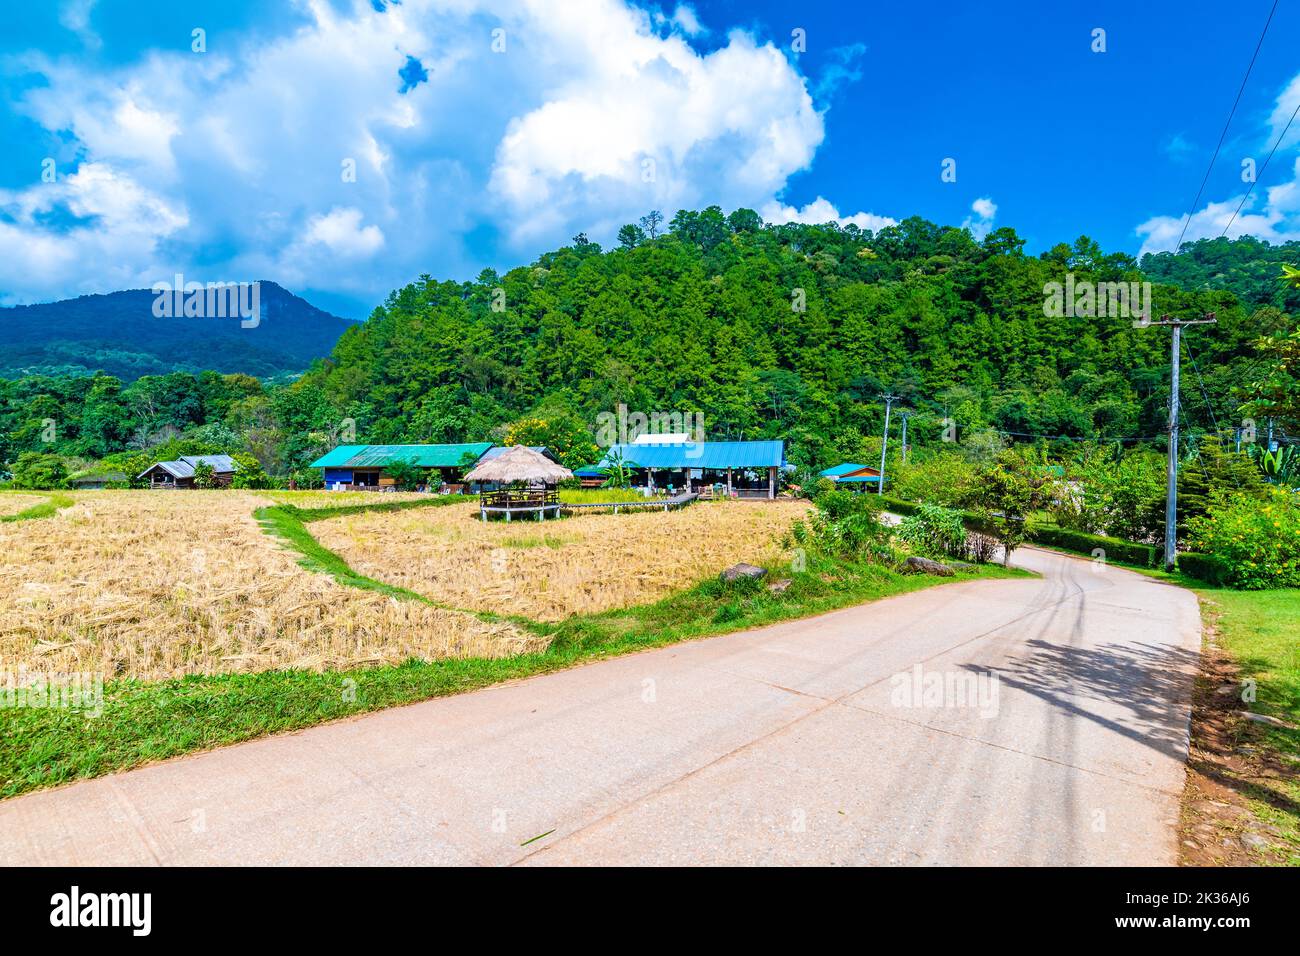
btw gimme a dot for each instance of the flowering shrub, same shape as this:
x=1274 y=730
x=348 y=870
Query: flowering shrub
x=1256 y=541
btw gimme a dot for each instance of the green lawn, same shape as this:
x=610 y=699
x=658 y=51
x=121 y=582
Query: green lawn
x=144 y=721
x=1261 y=631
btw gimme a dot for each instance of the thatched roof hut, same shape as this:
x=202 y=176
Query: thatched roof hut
x=519 y=464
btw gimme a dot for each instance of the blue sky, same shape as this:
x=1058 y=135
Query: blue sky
x=343 y=147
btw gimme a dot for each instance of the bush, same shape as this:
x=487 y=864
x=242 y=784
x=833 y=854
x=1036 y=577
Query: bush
x=845 y=525
x=1256 y=541
x=822 y=486
x=204 y=476
x=36 y=470
x=898 y=505
x=981 y=547
x=1080 y=542
x=1203 y=567
x=935 y=530
x=250 y=473
x=406 y=475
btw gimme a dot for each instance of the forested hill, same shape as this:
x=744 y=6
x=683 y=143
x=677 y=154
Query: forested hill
x=787 y=331
x=119 y=334
x=1247 y=266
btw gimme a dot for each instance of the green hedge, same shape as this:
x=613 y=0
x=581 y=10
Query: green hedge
x=1204 y=567
x=1053 y=536
x=1116 y=549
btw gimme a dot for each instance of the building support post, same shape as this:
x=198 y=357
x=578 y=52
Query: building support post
x=728 y=482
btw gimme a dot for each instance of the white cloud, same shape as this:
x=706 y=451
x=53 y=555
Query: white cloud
x=688 y=20
x=981 y=224
x=1271 y=213
x=591 y=117
x=74 y=15
x=820 y=210
x=341 y=231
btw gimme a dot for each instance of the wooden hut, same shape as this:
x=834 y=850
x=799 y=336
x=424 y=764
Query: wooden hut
x=180 y=473
x=526 y=481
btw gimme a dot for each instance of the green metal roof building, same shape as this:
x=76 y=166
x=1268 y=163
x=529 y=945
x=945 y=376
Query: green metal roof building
x=363 y=465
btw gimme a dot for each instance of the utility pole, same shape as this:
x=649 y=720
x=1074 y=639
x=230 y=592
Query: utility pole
x=889 y=398
x=1171 y=491
x=904 y=438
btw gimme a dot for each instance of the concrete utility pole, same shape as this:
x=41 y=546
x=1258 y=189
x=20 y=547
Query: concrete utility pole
x=905 y=438
x=1171 y=491
x=884 y=444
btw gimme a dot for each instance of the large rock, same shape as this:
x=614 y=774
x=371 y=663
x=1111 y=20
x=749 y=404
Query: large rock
x=737 y=571
x=917 y=565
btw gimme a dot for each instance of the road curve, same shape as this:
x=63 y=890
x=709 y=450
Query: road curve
x=1025 y=721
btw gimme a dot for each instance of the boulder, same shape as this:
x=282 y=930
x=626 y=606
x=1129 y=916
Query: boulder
x=918 y=565
x=738 y=571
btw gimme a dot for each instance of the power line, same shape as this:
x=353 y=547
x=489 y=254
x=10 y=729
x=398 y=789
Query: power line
x=1260 y=174
x=1223 y=135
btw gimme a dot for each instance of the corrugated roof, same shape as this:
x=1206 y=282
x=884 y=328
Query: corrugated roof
x=841 y=480
x=844 y=469
x=184 y=466
x=377 y=456
x=717 y=455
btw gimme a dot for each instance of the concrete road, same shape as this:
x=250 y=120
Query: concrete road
x=1032 y=721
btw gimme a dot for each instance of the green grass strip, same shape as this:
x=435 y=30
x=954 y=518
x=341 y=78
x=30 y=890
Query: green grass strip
x=45 y=509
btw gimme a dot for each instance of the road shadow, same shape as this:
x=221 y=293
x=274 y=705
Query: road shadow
x=1153 y=684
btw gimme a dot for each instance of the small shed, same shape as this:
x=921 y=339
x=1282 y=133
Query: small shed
x=180 y=473
x=525 y=480
x=97 y=480
x=853 y=476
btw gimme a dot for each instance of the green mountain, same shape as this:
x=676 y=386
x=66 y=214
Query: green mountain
x=118 y=333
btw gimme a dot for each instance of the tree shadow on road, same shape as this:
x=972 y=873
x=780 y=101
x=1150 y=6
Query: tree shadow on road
x=1153 y=683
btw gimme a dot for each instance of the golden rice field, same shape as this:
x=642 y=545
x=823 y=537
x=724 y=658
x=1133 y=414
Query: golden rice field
x=160 y=584
x=309 y=500
x=11 y=503
x=550 y=570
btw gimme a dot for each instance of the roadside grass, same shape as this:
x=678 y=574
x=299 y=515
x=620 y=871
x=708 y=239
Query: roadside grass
x=1260 y=632
x=144 y=721
x=53 y=502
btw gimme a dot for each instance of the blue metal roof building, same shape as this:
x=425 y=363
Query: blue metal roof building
x=745 y=467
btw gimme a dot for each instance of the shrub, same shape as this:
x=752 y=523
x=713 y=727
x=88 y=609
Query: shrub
x=406 y=475
x=936 y=530
x=204 y=476
x=898 y=505
x=981 y=547
x=34 y=469
x=1257 y=541
x=1080 y=542
x=250 y=473
x=1203 y=567
x=845 y=525
x=822 y=486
